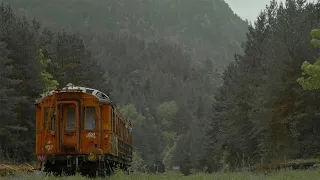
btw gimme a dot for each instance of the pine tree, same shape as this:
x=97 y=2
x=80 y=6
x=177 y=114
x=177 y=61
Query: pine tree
x=8 y=103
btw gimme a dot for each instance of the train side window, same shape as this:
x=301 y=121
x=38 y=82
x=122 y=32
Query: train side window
x=119 y=129
x=126 y=131
x=122 y=129
x=111 y=120
x=52 y=126
x=90 y=118
x=116 y=125
x=123 y=134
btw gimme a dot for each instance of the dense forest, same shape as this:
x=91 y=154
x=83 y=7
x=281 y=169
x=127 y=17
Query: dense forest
x=207 y=29
x=261 y=113
x=196 y=97
x=158 y=82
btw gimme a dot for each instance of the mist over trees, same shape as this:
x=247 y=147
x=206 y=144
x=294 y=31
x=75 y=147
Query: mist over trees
x=195 y=97
x=207 y=29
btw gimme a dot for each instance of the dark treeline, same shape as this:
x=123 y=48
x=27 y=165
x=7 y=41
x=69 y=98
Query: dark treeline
x=261 y=114
x=185 y=112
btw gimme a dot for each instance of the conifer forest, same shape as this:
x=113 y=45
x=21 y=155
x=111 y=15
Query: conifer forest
x=206 y=90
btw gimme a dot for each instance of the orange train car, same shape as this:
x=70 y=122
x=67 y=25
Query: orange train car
x=78 y=129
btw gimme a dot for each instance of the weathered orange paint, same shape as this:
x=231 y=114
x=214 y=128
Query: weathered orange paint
x=106 y=117
x=110 y=127
x=39 y=142
x=88 y=142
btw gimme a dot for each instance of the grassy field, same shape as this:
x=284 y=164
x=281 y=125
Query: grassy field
x=282 y=175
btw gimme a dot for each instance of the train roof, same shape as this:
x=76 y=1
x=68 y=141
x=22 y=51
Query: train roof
x=102 y=97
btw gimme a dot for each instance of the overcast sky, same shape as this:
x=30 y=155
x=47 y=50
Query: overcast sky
x=249 y=9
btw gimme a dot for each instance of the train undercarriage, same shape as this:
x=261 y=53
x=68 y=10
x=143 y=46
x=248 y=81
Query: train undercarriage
x=87 y=165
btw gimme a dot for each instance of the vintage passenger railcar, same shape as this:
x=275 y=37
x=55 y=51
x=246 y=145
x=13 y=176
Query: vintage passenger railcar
x=78 y=129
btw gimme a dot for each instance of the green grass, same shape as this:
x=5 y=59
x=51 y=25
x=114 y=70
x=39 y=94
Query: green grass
x=281 y=175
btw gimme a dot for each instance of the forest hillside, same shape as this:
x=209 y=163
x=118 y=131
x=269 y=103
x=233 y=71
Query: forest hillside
x=207 y=29
x=160 y=61
x=176 y=69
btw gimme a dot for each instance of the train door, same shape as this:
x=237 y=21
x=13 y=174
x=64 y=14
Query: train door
x=69 y=126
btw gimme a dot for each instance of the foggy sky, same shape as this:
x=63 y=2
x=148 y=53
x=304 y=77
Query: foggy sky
x=249 y=9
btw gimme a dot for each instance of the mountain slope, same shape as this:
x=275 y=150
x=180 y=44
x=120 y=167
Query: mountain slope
x=208 y=28
x=151 y=77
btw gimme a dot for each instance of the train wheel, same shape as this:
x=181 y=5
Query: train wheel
x=102 y=173
x=104 y=169
x=49 y=170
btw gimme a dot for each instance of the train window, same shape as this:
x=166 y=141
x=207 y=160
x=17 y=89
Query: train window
x=90 y=118
x=117 y=128
x=52 y=119
x=101 y=95
x=90 y=91
x=116 y=124
x=126 y=131
x=70 y=118
x=122 y=130
x=112 y=120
